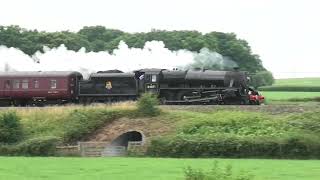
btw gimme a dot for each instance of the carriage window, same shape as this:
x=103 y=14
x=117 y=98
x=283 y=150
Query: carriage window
x=16 y=84
x=7 y=84
x=154 y=78
x=25 y=84
x=53 y=84
x=36 y=84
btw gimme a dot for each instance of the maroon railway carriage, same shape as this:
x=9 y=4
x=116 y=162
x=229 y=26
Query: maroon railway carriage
x=23 y=88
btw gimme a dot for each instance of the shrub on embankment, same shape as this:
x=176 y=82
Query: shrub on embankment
x=147 y=105
x=242 y=134
x=10 y=127
x=41 y=146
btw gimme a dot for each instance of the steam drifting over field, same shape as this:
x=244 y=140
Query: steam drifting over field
x=153 y=55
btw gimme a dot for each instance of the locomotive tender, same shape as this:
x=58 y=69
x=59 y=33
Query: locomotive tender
x=171 y=86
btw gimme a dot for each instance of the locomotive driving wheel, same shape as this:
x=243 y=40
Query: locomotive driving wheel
x=185 y=95
x=166 y=96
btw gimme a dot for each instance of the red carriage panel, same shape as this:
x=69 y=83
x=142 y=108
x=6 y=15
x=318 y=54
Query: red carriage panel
x=56 y=85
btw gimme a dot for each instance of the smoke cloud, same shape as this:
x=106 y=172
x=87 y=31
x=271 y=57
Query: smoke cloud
x=153 y=55
x=207 y=59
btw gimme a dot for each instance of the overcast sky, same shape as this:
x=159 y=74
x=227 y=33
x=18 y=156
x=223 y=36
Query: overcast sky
x=285 y=33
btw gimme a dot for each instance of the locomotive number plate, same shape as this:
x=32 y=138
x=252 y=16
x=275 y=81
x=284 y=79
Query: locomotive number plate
x=151 y=86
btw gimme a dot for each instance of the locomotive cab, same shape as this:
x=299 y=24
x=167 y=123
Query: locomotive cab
x=108 y=87
x=148 y=80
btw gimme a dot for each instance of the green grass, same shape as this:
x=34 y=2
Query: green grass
x=298 y=82
x=21 y=168
x=61 y=121
x=281 y=95
x=294 y=85
x=286 y=90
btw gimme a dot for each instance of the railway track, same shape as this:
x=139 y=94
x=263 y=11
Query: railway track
x=270 y=109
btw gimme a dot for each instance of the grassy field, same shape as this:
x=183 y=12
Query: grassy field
x=282 y=95
x=298 y=82
x=21 y=168
x=274 y=96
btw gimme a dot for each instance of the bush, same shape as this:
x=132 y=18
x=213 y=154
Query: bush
x=10 y=128
x=243 y=134
x=309 y=121
x=42 y=146
x=147 y=105
x=237 y=147
x=314 y=99
x=291 y=88
x=7 y=150
x=216 y=173
x=262 y=78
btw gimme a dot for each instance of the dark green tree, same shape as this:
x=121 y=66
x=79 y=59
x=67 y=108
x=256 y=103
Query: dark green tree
x=262 y=78
x=99 y=38
x=93 y=33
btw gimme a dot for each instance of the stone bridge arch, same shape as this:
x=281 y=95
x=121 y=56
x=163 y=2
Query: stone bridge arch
x=111 y=134
x=146 y=127
x=126 y=136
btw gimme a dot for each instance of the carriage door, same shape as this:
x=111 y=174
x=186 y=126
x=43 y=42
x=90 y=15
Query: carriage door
x=151 y=83
x=7 y=89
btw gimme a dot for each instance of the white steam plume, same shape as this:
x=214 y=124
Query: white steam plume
x=153 y=55
x=207 y=59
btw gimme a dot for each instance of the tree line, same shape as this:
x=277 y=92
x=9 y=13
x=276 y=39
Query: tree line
x=100 y=38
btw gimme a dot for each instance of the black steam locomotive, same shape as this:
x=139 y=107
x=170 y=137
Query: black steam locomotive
x=171 y=86
x=196 y=86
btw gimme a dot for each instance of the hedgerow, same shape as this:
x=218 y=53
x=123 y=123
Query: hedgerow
x=243 y=134
x=41 y=146
x=290 y=88
x=293 y=146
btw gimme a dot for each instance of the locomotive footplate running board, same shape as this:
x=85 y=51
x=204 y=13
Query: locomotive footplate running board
x=203 y=100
